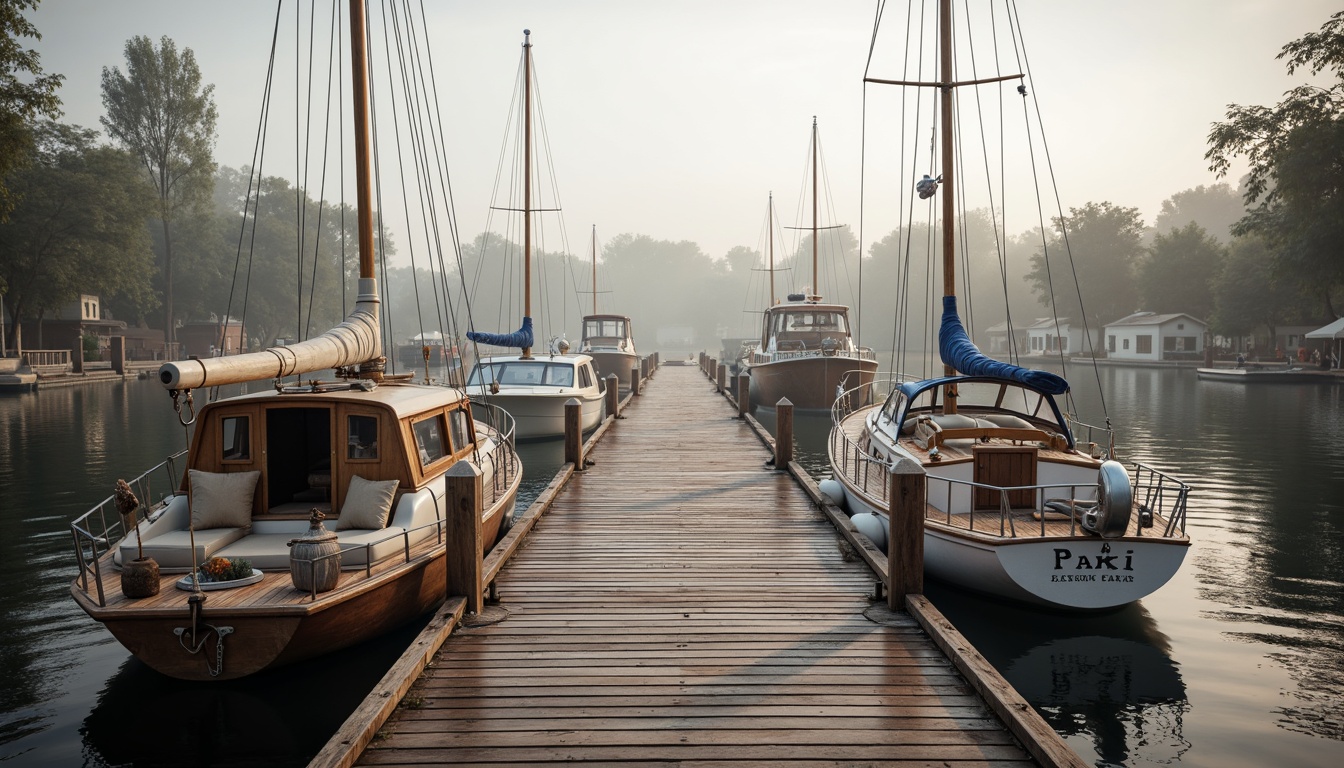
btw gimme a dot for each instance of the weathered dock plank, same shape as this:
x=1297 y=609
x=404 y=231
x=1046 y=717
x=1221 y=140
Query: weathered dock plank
x=682 y=602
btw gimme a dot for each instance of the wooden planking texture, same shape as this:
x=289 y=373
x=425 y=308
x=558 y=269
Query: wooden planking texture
x=681 y=602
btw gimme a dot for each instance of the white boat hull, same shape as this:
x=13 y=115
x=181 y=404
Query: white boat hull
x=541 y=415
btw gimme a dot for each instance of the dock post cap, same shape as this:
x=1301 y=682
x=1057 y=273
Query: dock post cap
x=464 y=468
x=906 y=466
x=783 y=401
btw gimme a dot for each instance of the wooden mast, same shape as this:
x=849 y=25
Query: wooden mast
x=359 y=66
x=770 y=227
x=594 y=269
x=949 y=208
x=816 y=287
x=527 y=179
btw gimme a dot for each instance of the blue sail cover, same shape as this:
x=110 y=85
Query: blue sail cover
x=960 y=352
x=521 y=338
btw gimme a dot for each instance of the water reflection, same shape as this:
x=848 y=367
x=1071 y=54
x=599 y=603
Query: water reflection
x=1108 y=678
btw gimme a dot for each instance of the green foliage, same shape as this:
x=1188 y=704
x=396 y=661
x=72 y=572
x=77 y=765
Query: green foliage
x=160 y=112
x=1179 y=272
x=1295 y=188
x=80 y=227
x=1095 y=253
x=1247 y=295
x=89 y=343
x=26 y=95
x=1216 y=208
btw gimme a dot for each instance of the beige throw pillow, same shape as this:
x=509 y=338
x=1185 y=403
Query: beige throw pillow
x=367 y=503
x=221 y=500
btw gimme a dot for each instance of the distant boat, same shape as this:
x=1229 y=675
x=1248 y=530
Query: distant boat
x=1263 y=374
x=368 y=450
x=806 y=351
x=1016 y=507
x=534 y=389
x=609 y=339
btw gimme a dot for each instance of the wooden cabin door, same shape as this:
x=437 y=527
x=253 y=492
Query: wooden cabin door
x=1005 y=466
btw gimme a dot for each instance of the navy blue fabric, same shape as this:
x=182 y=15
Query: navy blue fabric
x=960 y=352
x=521 y=338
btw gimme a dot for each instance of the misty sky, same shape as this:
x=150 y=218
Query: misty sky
x=675 y=119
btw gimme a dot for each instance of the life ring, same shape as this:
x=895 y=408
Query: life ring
x=1115 y=502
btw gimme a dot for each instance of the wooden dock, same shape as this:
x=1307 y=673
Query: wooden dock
x=683 y=602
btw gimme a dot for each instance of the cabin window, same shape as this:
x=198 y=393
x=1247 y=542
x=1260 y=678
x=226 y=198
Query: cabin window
x=604 y=327
x=585 y=376
x=237 y=438
x=362 y=437
x=1126 y=343
x=461 y=426
x=1143 y=345
x=1110 y=343
x=431 y=439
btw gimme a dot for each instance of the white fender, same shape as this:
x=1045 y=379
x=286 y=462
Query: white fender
x=1115 y=502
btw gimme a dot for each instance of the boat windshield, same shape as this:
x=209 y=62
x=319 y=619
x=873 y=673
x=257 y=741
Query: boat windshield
x=812 y=322
x=604 y=327
x=975 y=397
x=523 y=373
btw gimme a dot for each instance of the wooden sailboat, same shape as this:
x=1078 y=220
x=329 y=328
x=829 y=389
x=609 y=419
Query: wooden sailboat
x=534 y=390
x=366 y=450
x=609 y=339
x=806 y=351
x=1016 y=506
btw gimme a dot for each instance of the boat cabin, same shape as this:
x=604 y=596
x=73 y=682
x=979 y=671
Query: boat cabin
x=806 y=326
x=987 y=407
x=308 y=446
x=536 y=372
x=606 y=333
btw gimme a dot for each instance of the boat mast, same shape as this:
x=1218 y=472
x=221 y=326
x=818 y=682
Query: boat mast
x=770 y=227
x=594 y=269
x=816 y=287
x=949 y=209
x=359 y=66
x=527 y=180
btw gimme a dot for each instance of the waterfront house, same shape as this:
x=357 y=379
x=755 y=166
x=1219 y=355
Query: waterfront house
x=1048 y=336
x=1150 y=337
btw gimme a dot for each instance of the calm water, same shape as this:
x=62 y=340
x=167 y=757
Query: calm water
x=1239 y=661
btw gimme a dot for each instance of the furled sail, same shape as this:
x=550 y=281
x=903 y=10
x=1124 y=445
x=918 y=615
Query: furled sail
x=356 y=340
x=960 y=352
x=521 y=338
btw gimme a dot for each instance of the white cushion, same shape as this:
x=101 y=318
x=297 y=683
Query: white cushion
x=222 y=500
x=172 y=550
x=367 y=503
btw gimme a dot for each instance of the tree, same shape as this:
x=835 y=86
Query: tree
x=1216 y=208
x=160 y=112
x=21 y=103
x=1091 y=264
x=1295 y=188
x=1247 y=295
x=79 y=226
x=1179 y=272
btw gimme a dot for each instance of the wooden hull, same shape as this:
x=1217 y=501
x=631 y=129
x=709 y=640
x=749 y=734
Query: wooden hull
x=271 y=624
x=810 y=383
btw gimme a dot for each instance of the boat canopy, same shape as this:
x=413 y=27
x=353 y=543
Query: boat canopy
x=958 y=351
x=521 y=338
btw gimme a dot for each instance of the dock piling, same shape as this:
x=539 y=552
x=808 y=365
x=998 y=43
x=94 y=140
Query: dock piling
x=743 y=395
x=613 y=396
x=906 y=487
x=464 y=556
x=574 y=433
x=783 y=433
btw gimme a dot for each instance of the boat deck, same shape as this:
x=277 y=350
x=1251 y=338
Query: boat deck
x=683 y=603
x=1026 y=522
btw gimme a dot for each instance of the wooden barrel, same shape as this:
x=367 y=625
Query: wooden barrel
x=315 y=558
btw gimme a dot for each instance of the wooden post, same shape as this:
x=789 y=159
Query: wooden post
x=574 y=433
x=77 y=354
x=743 y=395
x=613 y=396
x=783 y=433
x=644 y=370
x=713 y=368
x=905 y=539
x=119 y=355
x=722 y=381
x=634 y=379
x=463 y=518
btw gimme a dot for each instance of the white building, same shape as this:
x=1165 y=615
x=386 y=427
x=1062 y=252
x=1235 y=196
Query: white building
x=1149 y=337
x=1048 y=337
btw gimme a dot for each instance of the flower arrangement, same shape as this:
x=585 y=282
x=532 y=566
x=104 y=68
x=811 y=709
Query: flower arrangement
x=127 y=503
x=223 y=569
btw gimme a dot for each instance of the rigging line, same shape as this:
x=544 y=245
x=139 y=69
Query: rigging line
x=555 y=186
x=1000 y=234
x=494 y=195
x=442 y=304
x=258 y=159
x=836 y=232
x=900 y=319
x=380 y=231
x=322 y=184
x=1049 y=163
x=963 y=224
x=340 y=142
x=392 y=26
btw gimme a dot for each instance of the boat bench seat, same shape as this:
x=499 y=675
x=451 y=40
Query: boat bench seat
x=172 y=549
x=270 y=551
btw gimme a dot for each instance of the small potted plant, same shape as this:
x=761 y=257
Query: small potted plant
x=221 y=573
x=140 y=577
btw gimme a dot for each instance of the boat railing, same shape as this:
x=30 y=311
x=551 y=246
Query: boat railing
x=409 y=538
x=100 y=529
x=500 y=464
x=1158 y=495
x=847 y=457
x=1102 y=438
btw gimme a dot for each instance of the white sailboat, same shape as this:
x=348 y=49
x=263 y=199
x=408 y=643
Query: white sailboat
x=806 y=350
x=368 y=451
x=534 y=389
x=1017 y=506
